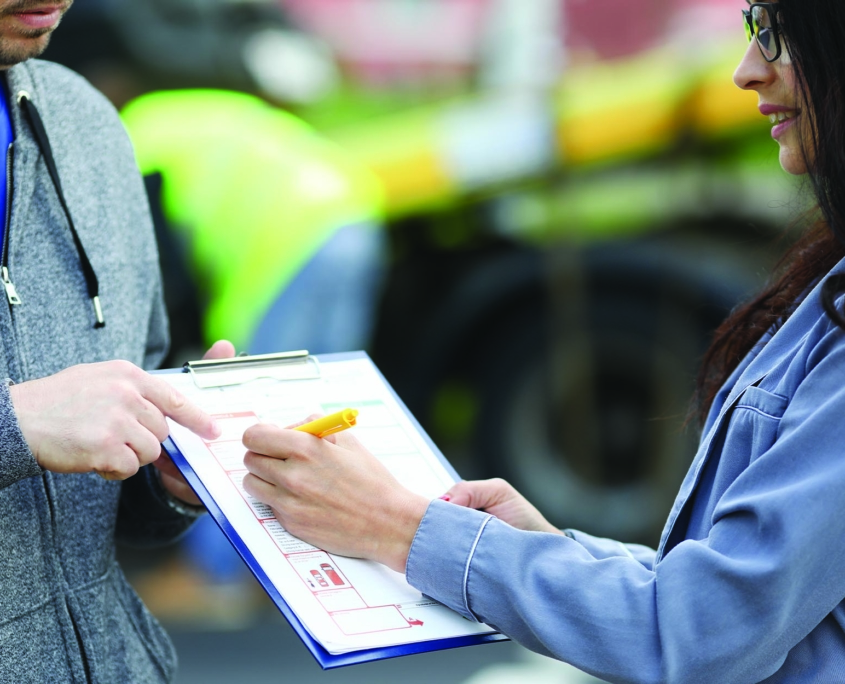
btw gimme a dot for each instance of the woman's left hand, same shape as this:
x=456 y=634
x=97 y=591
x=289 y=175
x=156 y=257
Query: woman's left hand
x=332 y=493
x=500 y=499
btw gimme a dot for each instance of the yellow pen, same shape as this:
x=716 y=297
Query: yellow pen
x=328 y=425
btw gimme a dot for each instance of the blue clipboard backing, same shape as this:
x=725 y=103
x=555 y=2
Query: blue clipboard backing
x=325 y=659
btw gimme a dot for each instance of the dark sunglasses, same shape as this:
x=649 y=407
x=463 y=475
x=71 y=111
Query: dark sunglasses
x=761 y=23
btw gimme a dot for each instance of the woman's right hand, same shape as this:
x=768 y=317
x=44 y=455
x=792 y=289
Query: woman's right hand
x=333 y=493
x=498 y=497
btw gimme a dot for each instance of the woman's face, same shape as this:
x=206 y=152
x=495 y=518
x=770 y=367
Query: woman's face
x=780 y=100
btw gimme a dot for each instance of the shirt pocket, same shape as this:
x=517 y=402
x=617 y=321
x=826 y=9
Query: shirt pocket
x=755 y=422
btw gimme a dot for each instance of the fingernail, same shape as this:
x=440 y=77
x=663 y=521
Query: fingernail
x=446 y=497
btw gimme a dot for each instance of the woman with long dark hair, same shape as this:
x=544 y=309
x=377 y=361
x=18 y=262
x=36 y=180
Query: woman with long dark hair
x=748 y=581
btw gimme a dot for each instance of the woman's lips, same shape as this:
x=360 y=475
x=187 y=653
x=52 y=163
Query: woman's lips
x=782 y=118
x=781 y=128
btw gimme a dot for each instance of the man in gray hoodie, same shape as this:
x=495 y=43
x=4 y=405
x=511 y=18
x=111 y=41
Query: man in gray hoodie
x=80 y=422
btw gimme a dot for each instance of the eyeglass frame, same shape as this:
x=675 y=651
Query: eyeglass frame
x=772 y=8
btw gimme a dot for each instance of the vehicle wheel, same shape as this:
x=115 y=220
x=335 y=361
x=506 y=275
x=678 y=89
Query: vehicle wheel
x=587 y=423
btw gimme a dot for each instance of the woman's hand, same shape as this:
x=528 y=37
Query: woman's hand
x=332 y=493
x=171 y=477
x=498 y=497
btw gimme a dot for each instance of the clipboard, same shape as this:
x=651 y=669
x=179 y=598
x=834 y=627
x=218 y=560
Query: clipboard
x=297 y=368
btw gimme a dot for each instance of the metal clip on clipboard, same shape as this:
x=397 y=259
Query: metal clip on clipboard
x=295 y=365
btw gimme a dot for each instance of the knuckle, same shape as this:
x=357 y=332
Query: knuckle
x=161 y=434
x=264 y=438
x=283 y=519
x=345 y=440
x=256 y=488
x=116 y=425
x=177 y=401
x=159 y=428
x=101 y=440
x=117 y=466
x=252 y=462
x=250 y=436
x=125 y=396
x=292 y=481
x=124 y=368
x=148 y=450
x=500 y=485
x=248 y=483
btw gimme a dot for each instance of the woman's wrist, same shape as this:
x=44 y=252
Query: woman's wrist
x=405 y=518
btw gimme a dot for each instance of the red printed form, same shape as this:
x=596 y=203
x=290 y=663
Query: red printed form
x=345 y=604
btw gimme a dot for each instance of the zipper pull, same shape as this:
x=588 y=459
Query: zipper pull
x=11 y=292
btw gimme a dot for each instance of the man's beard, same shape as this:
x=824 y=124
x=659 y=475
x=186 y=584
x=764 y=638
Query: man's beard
x=11 y=55
x=38 y=41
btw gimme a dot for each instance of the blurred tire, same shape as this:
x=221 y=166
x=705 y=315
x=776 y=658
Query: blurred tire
x=587 y=423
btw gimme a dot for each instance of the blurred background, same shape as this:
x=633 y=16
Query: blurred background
x=531 y=213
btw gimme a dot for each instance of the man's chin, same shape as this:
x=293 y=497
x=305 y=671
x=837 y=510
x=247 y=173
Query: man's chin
x=22 y=50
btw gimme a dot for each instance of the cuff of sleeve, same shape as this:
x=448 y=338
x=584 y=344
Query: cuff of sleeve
x=440 y=559
x=145 y=518
x=172 y=502
x=16 y=459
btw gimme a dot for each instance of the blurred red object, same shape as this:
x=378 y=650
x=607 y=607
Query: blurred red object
x=610 y=29
x=383 y=41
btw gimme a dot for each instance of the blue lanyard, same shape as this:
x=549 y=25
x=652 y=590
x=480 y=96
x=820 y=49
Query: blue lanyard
x=6 y=138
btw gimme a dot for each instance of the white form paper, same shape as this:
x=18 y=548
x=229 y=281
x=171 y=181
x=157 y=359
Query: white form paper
x=345 y=604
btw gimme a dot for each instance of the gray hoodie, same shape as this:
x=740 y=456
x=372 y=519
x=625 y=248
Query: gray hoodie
x=66 y=612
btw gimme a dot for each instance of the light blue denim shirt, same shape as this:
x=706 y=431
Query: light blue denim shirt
x=748 y=582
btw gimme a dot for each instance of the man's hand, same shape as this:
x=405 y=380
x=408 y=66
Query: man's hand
x=497 y=497
x=103 y=417
x=171 y=478
x=332 y=493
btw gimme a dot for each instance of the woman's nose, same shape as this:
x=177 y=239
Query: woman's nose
x=753 y=72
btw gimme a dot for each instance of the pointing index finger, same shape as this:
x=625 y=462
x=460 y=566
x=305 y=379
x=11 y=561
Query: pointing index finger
x=178 y=407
